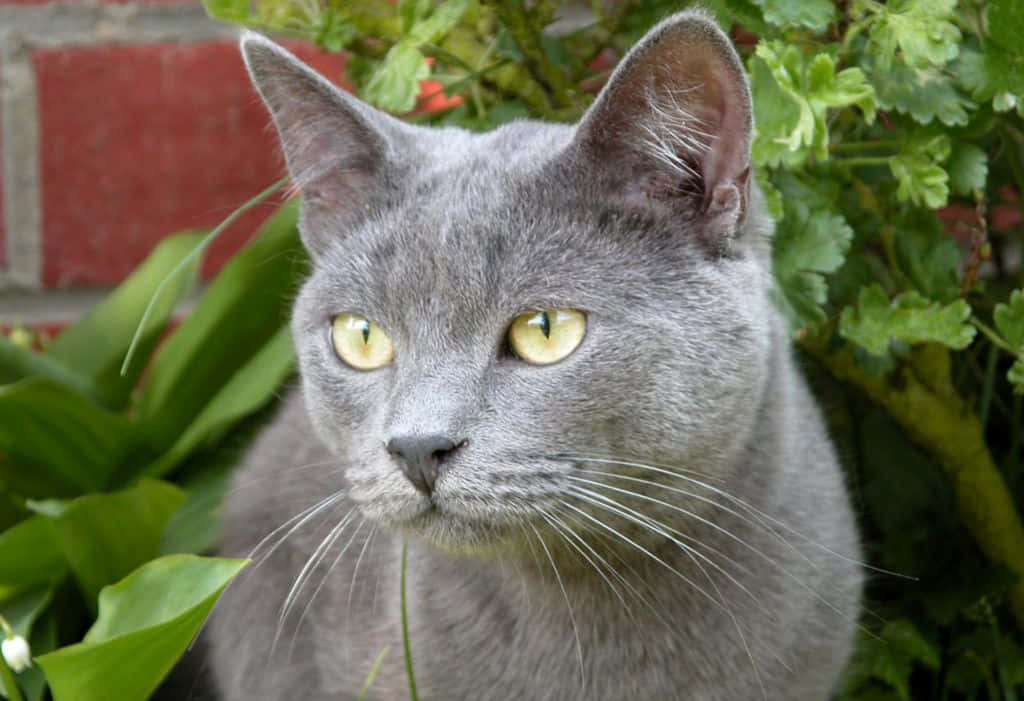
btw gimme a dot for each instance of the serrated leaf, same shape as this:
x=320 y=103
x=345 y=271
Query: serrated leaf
x=928 y=255
x=814 y=14
x=968 y=168
x=395 y=84
x=1016 y=375
x=796 y=107
x=921 y=29
x=145 y=623
x=438 y=24
x=1009 y=319
x=875 y=322
x=924 y=94
x=920 y=178
x=811 y=240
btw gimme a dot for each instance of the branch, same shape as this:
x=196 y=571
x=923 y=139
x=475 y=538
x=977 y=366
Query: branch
x=923 y=401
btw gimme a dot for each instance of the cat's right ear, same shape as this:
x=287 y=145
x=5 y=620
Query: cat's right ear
x=341 y=152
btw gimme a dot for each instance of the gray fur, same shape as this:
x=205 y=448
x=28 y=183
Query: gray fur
x=643 y=216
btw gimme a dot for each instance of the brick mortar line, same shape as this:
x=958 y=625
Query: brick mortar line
x=56 y=25
x=22 y=192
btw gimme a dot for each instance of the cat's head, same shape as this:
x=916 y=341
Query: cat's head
x=495 y=320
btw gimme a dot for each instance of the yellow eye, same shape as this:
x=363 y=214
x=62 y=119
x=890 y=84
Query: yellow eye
x=547 y=336
x=360 y=342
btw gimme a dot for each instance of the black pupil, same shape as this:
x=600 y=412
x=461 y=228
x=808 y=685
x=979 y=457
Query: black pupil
x=545 y=325
x=366 y=332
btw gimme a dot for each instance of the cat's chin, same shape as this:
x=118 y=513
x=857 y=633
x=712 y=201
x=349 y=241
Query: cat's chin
x=455 y=533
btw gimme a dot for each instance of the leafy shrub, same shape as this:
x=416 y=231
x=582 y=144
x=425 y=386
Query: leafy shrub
x=890 y=149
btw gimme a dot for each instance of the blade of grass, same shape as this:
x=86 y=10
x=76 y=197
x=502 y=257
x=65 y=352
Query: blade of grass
x=189 y=257
x=405 y=632
x=374 y=669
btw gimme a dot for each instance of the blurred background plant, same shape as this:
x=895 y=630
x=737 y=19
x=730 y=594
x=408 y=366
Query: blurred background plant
x=890 y=148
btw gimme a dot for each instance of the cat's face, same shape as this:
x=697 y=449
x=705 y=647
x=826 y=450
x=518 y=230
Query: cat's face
x=622 y=254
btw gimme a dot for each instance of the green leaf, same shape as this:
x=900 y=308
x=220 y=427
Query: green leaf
x=95 y=346
x=54 y=442
x=237 y=315
x=968 y=168
x=927 y=254
x=916 y=168
x=924 y=94
x=1009 y=319
x=395 y=84
x=921 y=29
x=18 y=362
x=228 y=10
x=814 y=14
x=250 y=388
x=441 y=21
x=1016 y=375
x=812 y=89
x=811 y=240
x=30 y=557
x=22 y=611
x=910 y=318
x=1006 y=23
x=891 y=656
x=106 y=536
x=145 y=623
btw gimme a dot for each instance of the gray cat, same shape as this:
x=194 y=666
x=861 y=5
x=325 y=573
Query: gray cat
x=546 y=358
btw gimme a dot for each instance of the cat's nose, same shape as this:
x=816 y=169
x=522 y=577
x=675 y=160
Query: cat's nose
x=420 y=457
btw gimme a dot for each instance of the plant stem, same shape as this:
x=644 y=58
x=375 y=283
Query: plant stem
x=863 y=161
x=993 y=336
x=987 y=385
x=188 y=258
x=841 y=146
x=10 y=684
x=405 y=630
x=922 y=399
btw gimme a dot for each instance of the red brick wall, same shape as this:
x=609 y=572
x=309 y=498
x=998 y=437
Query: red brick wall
x=147 y=125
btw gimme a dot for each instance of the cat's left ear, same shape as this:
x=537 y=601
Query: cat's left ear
x=673 y=126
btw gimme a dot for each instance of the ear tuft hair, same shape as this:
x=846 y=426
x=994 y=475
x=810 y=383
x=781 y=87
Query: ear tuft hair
x=673 y=126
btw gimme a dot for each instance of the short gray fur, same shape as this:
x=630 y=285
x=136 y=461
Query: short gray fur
x=683 y=391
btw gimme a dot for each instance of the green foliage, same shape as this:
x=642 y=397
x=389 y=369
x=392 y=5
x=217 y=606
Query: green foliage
x=80 y=443
x=872 y=117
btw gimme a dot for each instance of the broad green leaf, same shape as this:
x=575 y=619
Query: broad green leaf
x=921 y=29
x=248 y=389
x=95 y=346
x=395 y=84
x=30 y=557
x=776 y=117
x=968 y=168
x=54 y=442
x=814 y=14
x=239 y=312
x=22 y=610
x=106 y=536
x=1009 y=319
x=18 y=362
x=145 y=623
x=910 y=318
